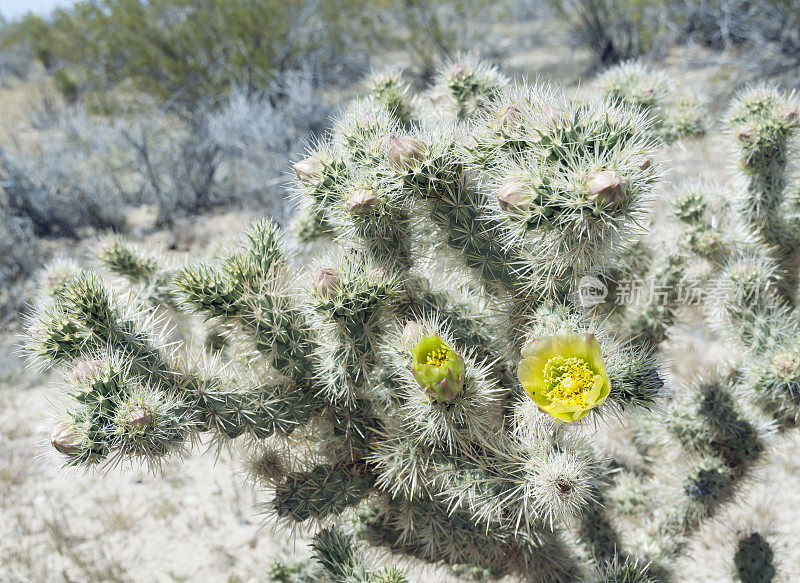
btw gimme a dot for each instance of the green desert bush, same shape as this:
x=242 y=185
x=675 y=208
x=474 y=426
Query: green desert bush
x=193 y=51
x=431 y=31
x=435 y=384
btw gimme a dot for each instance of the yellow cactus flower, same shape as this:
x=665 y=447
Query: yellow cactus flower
x=565 y=374
x=437 y=368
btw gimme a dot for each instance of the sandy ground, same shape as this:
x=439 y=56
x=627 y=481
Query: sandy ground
x=196 y=521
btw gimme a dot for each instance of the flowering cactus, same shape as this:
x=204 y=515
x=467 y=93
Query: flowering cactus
x=432 y=384
x=437 y=368
x=565 y=374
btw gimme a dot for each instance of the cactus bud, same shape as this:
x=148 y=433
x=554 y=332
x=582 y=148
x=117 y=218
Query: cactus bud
x=406 y=151
x=381 y=272
x=85 y=370
x=551 y=114
x=362 y=202
x=436 y=96
x=139 y=418
x=644 y=163
x=457 y=70
x=510 y=117
x=706 y=241
x=786 y=366
x=789 y=114
x=307 y=169
x=607 y=186
x=327 y=282
x=513 y=196
x=64 y=438
x=437 y=368
x=745 y=133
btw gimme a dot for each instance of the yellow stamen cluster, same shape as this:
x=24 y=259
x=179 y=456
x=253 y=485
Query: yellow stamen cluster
x=437 y=358
x=567 y=380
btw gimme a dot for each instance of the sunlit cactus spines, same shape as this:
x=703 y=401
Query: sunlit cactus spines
x=389 y=88
x=440 y=379
x=465 y=85
x=761 y=122
x=650 y=90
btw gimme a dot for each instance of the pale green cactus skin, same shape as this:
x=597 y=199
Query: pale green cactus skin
x=470 y=215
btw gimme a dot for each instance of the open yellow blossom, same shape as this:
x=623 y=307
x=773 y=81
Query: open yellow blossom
x=565 y=374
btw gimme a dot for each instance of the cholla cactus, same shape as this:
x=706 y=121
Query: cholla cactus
x=388 y=88
x=651 y=90
x=433 y=384
x=763 y=121
x=464 y=85
x=754 y=561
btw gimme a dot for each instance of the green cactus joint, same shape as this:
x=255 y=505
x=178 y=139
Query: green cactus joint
x=438 y=368
x=565 y=374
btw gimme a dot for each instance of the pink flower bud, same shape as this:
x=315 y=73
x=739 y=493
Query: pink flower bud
x=85 y=370
x=307 y=169
x=412 y=332
x=745 y=133
x=789 y=114
x=406 y=151
x=362 y=202
x=510 y=117
x=513 y=196
x=139 y=418
x=607 y=186
x=327 y=282
x=65 y=438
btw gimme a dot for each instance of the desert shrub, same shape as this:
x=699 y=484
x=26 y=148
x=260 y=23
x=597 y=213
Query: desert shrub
x=771 y=28
x=62 y=181
x=190 y=51
x=233 y=153
x=431 y=31
x=715 y=23
x=614 y=30
x=18 y=259
x=16 y=58
x=79 y=171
